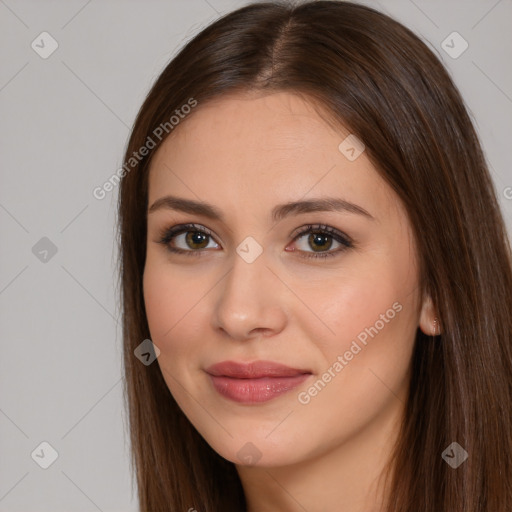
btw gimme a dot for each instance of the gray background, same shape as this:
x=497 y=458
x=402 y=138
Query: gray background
x=64 y=125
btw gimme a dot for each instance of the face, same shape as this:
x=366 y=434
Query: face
x=338 y=305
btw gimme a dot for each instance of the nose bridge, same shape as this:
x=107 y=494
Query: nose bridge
x=247 y=301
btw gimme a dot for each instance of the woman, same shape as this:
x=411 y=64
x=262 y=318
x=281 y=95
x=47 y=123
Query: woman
x=311 y=241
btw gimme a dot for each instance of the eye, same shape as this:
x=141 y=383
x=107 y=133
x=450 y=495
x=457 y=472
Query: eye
x=195 y=239
x=193 y=236
x=321 y=240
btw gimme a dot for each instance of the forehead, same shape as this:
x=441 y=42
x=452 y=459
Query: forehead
x=246 y=123
x=262 y=150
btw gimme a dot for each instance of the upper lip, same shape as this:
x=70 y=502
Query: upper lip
x=254 y=370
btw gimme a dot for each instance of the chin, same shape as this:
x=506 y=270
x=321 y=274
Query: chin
x=254 y=451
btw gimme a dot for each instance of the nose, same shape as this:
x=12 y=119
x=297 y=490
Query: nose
x=250 y=301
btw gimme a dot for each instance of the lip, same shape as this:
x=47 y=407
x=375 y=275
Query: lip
x=254 y=382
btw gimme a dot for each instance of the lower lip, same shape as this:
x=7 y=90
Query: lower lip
x=256 y=390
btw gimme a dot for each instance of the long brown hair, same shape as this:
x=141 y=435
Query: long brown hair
x=375 y=77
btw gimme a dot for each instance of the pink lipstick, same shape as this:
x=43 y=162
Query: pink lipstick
x=255 y=382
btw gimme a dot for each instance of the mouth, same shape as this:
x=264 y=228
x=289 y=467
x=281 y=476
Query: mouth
x=255 y=382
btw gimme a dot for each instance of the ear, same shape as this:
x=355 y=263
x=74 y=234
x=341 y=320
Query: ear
x=429 y=319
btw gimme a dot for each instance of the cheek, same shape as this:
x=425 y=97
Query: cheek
x=159 y=301
x=169 y=305
x=174 y=302
x=166 y=302
x=369 y=319
x=366 y=360
x=343 y=307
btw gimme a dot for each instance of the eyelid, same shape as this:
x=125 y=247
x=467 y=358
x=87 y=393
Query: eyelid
x=318 y=227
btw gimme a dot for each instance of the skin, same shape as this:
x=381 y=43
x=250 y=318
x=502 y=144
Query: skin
x=245 y=153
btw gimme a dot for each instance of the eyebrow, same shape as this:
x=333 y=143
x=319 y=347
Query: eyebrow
x=279 y=212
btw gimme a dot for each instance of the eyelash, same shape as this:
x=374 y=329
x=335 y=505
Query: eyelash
x=168 y=234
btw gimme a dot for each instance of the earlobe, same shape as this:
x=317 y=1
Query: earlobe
x=429 y=319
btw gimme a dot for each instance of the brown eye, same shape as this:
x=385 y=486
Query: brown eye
x=321 y=239
x=194 y=238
